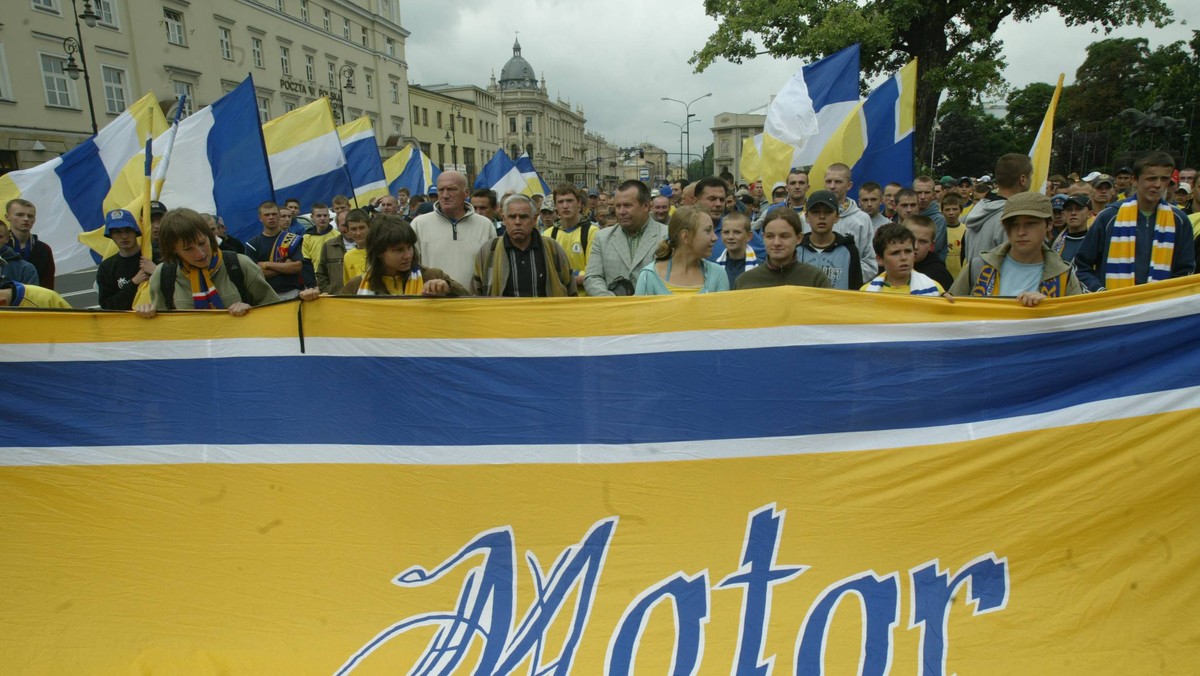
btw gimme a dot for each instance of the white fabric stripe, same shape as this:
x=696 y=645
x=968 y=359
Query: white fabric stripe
x=1109 y=410
x=315 y=157
x=364 y=189
x=367 y=133
x=56 y=224
x=117 y=142
x=648 y=343
x=190 y=182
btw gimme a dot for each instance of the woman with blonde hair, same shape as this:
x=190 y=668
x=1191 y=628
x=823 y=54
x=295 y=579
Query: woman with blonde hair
x=681 y=264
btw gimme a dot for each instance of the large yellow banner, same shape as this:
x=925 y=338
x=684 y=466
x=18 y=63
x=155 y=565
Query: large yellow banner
x=779 y=481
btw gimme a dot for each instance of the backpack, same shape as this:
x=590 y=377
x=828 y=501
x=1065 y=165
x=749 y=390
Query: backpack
x=583 y=236
x=169 y=271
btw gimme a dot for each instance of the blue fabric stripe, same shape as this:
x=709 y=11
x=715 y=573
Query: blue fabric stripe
x=833 y=78
x=238 y=157
x=320 y=188
x=494 y=170
x=884 y=159
x=364 y=162
x=618 y=399
x=85 y=183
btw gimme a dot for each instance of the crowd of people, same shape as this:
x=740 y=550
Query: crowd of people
x=992 y=236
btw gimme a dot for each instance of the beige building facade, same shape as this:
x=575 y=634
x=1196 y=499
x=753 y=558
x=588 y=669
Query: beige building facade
x=551 y=132
x=456 y=126
x=729 y=131
x=296 y=51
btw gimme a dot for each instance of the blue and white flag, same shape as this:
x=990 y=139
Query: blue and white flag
x=502 y=175
x=534 y=185
x=362 y=159
x=412 y=169
x=306 y=156
x=69 y=191
x=813 y=102
x=219 y=164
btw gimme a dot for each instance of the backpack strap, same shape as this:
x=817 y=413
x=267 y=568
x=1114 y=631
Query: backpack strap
x=583 y=236
x=166 y=278
x=234 y=268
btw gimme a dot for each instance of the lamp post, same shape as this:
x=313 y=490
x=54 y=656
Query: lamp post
x=687 y=123
x=347 y=72
x=73 y=46
x=676 y=124
x=452 y=134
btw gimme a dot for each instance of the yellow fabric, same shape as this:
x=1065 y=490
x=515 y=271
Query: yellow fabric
x=313 y=245
x=41 y=297
x=682 y=290
x=1039 y=154
x=572 y=243
x=954 y=240
x=412 y=286
x=354 y=263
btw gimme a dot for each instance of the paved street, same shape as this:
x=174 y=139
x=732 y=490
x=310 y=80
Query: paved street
x=78 y=288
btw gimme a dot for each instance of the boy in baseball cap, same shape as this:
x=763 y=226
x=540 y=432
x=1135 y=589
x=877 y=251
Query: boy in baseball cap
x=119 y=275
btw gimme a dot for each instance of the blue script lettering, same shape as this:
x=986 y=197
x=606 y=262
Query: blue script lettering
x=690 y=597
x=934 y=591
x=880 y=602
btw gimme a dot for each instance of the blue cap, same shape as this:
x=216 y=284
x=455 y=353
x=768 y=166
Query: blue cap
x=1058 y=202
x=666 y=191
x=117 y=219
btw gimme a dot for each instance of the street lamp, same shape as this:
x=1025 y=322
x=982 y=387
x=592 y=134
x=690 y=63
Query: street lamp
x=452 y=135
x=687 y=122
x=73 y=46
x=347 y=72
x=676 y=124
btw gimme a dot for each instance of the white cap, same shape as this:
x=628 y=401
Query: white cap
x=986 y=178
x=1091 y=177
x=1186 y=187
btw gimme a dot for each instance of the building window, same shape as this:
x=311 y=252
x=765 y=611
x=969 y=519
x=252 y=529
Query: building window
x=288 y=106
x=441 y=154
x=264 y=108
x=528 y=124
x=108 y=13
x=6 y=91
x=391 y=47
x=425 y=149
x=332 y=75
x=285 y=60
x=424 y=117
x=326 y=21
x=370 y=82
x=184 y=90
x=225 y=39
x=304 y=11
x=395 y=92
x=310 y=68
x=48 y=5
x=114 y=89
x=256 y=50
x=279 y=5
x=529 y=149
x=512 y=125
x=174 y=23
x=58 y=88
x=416 y=115
x=439 y=119
x=364 y=36
x=346 y=28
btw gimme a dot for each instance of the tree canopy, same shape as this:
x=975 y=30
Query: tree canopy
x=953 y=40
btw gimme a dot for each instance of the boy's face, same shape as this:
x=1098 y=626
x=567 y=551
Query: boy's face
x=924 y=243
x=735 y=233
x=821 y=219
x=897 y=262
x=951 y=212
x=906 y=207
x=1075 y=216
x=781 y=241
x=869 y=201
x=1026 y=234
x=358 y=232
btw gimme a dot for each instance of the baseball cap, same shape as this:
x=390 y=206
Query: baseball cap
x=1028 y=204
x=548 y=204
x=1124 y=170
x=665 y=191
x=822 y=197
x=157 y=208
x=593 y=193
x=1186 y=187
x=986 y=178
x=1080 y=200
x=742 y=193
x=967 y=180
x=947 y=180
x=1102 y=178
x=778 y=185
x=117 y=219
x=1058 y=201
x=1091 y=177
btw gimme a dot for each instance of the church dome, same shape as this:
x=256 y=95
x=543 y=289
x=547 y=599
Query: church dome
x=517 y=73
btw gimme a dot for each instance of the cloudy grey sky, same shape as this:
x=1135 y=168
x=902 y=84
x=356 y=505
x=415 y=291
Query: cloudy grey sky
x=618 y=57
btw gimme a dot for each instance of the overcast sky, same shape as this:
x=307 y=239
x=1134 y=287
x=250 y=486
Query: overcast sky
x=619 y=57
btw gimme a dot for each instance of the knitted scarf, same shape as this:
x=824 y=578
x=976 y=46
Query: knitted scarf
x=918 y=285
x=412 y=287
x=204 y=290
x=988 y=283
x=1118 y=270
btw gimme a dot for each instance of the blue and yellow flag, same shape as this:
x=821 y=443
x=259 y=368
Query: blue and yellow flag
x=777 y=481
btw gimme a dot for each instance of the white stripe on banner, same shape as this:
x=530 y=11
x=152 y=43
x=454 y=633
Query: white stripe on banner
x=595 y=346
x=1121 y=408
x=315 y=157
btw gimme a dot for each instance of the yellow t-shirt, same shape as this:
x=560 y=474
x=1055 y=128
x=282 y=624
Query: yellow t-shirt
x=354 y=264
x=572 y=243
x=313 y=244
x=905 y=290
x=682 y=290
x=954 y=241
x=41 y=297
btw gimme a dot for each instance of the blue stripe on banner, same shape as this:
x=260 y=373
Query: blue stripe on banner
x=364 y=163
x=238 y=156
x=884 y=159
x=85 y=183
x=834 y=78
x=660 y=397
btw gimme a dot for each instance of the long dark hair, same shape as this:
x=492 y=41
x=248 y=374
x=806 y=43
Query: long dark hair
x=386 y=232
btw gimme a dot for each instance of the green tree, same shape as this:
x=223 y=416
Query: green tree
x=969 y=141
x=698 y=169
x=1026 y=111
x=953 y=40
